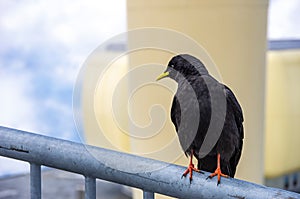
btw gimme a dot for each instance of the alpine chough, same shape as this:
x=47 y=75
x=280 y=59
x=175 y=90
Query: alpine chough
x=200 y=103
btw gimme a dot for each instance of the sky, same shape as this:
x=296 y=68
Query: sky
x=43 y=45
x=284 y=19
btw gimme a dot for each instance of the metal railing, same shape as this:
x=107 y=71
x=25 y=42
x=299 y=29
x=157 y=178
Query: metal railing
x=74 y=157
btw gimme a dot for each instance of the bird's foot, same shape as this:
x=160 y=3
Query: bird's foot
x=190 y=170
x=218 y=173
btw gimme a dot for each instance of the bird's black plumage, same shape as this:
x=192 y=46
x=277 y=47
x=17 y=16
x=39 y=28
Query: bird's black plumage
x=194 y=111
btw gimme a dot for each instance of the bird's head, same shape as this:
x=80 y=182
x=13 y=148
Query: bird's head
x=182 y=66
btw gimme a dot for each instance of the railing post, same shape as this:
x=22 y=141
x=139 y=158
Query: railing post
x=148 y=195
x=35 y=181
x=90 y=188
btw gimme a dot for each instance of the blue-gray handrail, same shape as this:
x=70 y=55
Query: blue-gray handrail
x=79 y=158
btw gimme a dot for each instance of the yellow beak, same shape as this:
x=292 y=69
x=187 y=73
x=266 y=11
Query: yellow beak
x=163 y=75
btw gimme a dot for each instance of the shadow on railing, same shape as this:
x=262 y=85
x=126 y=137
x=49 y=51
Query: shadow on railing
x=74 y=157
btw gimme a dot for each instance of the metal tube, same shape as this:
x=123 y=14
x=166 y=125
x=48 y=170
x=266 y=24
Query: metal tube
x=147 y=174
x=35 y=181
x=90 y=188
x=148 y=195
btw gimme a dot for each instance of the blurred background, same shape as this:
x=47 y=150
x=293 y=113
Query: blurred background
x=43 y=45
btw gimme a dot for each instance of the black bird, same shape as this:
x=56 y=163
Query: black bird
x=207 y=117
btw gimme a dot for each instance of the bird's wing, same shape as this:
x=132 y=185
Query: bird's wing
x=237 y=110
x=175 y=113
x=238 y=115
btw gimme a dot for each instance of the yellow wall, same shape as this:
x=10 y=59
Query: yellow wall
x=282 y=113
x=100 y=82
x=234 y=34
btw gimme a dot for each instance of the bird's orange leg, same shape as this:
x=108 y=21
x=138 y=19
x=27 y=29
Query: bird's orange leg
x=218 y=171
x=190 y=168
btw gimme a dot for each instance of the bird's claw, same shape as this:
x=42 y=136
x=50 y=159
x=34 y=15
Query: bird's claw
x=218 y=173
x=190 y=170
